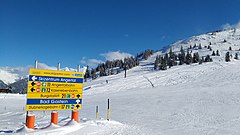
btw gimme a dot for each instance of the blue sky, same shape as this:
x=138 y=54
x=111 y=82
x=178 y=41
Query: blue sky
x=85 y=32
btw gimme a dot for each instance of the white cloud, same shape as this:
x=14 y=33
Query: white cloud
x=45 y=66
x=90 y=62
x=115 y=55
x=94 y=62
x=238 y=25
x=108 y=56
x=227 y=26
x=83 y=60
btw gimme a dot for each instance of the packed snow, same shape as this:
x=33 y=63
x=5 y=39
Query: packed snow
x=187 y=99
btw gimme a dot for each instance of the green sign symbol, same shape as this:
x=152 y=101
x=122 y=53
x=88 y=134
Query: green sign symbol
x=44 y=90
x=67 y=106
x=68 y=96
x=44 y=84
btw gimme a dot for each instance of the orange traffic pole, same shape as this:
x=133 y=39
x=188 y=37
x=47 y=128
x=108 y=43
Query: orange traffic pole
x=75 y=115
x=54 y=117
x=30 y=121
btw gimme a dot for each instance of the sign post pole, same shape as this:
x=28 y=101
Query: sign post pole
x=54 y=114
x=75 y=113
x=30 y=119
x=96 y=112
x=108 y=111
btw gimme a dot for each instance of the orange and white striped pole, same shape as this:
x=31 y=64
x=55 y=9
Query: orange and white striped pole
x=75 y=115
x=54 y=117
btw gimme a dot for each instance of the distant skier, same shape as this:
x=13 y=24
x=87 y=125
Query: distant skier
x=106 y=81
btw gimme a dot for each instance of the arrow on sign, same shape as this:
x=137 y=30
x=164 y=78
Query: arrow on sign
x=32 y=89
x=77 y=106
x=78 y=101
x=33 y=83
x=34 y=78
x=78 y=96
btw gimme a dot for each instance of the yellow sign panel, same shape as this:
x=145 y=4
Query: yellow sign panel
x=54 y=107
x=55 y=84
x=56 y=73
x=53 y=90
x=54 y=95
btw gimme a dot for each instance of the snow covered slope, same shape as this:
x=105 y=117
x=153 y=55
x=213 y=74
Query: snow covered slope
x=220 y=40
x=8 y=77
x=187 y=99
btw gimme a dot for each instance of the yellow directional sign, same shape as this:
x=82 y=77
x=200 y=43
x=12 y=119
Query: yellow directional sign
x=54 y=90
x=56 y=73
x=54 y=96
x=55 y=84
x=54 y=107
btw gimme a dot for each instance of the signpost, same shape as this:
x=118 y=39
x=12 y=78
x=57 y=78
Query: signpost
x=54 y=90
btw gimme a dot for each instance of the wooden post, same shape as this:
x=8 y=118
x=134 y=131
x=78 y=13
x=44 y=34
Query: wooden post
x=96 y=112
x=108 y=111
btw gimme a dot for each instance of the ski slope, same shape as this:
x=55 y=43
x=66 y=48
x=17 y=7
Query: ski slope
x=183 y=100
x=187 y=99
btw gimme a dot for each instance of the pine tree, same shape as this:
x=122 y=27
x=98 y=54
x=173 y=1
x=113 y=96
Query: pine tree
x=196 y=58
x=188 y=58
x=87 y=74
x=156 y=63
x=93 y=73
x=163 y=65
x=200 y=46
x=181 y=56
x=112 y=71
x=213 y=53
x=236 y=56
x=195 y=45
x=207 y=59
x=201 y=60
x=227 y=57
x=171 y=59
x=190 y=47
x=217 y=53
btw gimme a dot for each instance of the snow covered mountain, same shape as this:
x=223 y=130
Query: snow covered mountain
x=218 y=40
x=187 y=99
x=8 y=76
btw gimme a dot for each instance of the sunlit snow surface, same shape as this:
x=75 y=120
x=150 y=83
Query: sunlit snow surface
x=188 y=99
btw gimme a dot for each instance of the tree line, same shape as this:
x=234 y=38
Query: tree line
x=116 y=66
x=170 y=59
